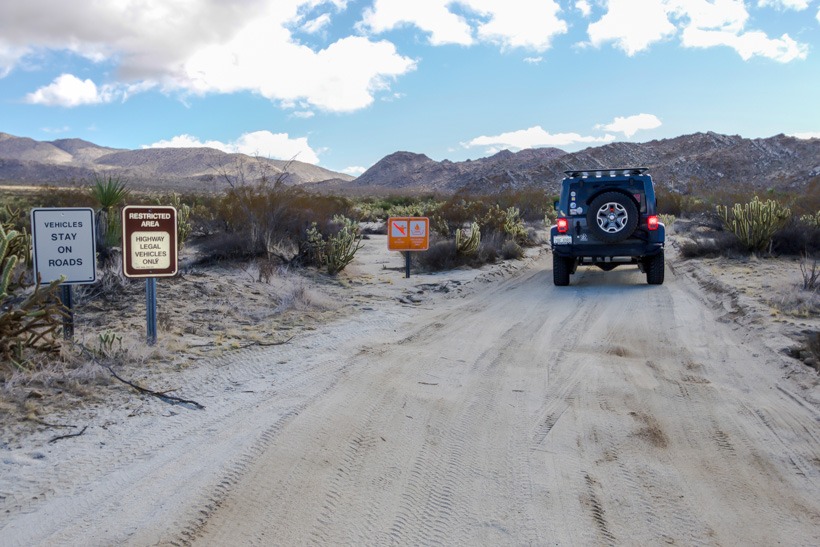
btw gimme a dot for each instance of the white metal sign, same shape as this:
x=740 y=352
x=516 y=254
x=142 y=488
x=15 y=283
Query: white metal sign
x=64 y=244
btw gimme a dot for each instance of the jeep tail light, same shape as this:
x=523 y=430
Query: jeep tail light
x=563 y=225
x=652 y=223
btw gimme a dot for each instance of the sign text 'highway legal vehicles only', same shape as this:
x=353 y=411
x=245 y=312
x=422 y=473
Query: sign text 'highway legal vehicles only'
x=408 y=233
x=149 y=240
x=64 y=244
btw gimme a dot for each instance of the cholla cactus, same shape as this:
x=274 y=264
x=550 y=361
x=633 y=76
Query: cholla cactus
x=8 y=260
x=468 y=245
x=338 y=250
x=184 y=226
x=30 y=322
x=514 y=226
x=811 y=220
x=755 y=222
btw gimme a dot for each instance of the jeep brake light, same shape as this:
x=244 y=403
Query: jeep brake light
x=563 y=225
x=652 y=223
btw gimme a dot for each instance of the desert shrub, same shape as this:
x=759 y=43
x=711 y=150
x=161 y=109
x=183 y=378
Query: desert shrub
x=711 y=245
x=109 y=194
x=795 y=238
x=184 y=222
x=510 y=250
x=374 y=209
x=29 y=316
x=335 y=248
x=756 y=222
x=456 y=212
x=50 y=196
x=810 y=273
x=228 y=246
x=671 y=202
x=272 y=222
x=442 y=255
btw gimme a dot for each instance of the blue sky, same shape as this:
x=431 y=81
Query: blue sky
x=342 y=83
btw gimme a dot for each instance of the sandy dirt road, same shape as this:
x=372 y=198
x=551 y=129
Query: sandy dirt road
x=607 y=412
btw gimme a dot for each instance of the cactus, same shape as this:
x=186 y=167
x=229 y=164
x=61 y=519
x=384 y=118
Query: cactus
x=30 y=322
x=468 y=245
x=184 y=226
x=755 y=222
x=514 y=226
x=7 y=260
x=338 y=250
x=811 y=220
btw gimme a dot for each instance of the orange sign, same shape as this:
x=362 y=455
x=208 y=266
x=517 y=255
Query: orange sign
x=408 y=233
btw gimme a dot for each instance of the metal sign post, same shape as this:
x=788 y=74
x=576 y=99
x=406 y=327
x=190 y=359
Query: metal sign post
x=151 y=309
x=64 y=248
x=408 y=234
x=149 y=250
x=68 y=320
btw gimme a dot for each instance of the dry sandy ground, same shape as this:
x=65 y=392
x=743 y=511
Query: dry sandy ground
x=464 y=408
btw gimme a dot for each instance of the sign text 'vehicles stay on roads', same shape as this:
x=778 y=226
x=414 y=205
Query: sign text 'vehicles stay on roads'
x=64 y=244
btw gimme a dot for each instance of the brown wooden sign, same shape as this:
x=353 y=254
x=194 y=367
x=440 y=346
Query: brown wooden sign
x=149 y=241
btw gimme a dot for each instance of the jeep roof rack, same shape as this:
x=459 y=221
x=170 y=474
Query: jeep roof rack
x=621 y=171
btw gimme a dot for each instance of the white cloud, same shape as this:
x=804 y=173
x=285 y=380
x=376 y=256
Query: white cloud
x=533 y=137
x=533 y=60
x=304 y=114
x=798 y=5
x=634 y=25
x=631 y=124
x=354 y=170
x=806 y=135
x=315 y=25
x=525 y=23
x=69 y=91
x=258 y=143
x=584 y=7
x=208 y=46
x=431 y=16
x=748 y=45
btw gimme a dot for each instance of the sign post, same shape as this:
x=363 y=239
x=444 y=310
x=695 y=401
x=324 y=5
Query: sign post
x=149 y=243
x=64 y=247
x=408 y=234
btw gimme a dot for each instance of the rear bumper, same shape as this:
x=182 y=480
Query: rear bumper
x=625 y=252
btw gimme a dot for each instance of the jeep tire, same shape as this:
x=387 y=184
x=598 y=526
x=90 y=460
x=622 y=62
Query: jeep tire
x=654 y=269
x=561 y=270
x=612 y=217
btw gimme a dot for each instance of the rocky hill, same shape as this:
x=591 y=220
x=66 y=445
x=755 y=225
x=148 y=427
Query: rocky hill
x=680 y=163
x=27 y=161
x=683 y=163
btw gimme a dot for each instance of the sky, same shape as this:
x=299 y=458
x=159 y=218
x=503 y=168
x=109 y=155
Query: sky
x=343 y=83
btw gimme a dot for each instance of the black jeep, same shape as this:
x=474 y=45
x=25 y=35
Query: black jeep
x=607 y=218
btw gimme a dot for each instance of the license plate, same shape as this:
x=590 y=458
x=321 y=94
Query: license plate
x=562 y=240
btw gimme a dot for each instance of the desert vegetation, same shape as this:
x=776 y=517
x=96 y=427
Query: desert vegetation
x=265 y=228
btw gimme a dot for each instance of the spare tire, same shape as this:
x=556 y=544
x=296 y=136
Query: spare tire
x=612 y=217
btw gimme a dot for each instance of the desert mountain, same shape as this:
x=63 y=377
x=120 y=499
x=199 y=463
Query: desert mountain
x=24 y=160
x=680 y=163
